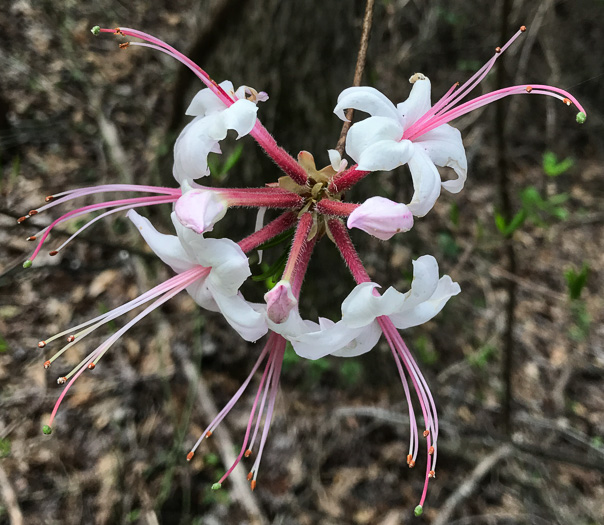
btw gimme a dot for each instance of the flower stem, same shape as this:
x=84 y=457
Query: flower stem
x=340 y=236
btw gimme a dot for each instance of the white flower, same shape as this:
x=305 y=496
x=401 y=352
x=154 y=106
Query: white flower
x=379 y=142
x=212 y=121
x=358 y=331
x=381 y=218
x=218 y=289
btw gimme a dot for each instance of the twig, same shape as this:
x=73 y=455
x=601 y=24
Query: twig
x=506 y=208
x=358 y=71
x=10 y=499
x=470 y=485
x=558 y=454
x=239 y=487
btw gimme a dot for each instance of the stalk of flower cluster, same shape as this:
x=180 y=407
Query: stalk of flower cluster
x=403 y=358
x=285 y=161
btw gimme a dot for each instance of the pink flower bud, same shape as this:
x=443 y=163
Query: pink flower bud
x=199 y=210
x=280 y=301
x=381 y=218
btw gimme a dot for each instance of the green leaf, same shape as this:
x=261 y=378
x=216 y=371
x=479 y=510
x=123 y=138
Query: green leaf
x=277 y=239
x=576 y=281
x=232 y=159
x=552 y=167
x=500 y=223
x=276 y=268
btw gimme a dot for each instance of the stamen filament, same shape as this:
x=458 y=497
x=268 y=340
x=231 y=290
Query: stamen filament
x=97 y=354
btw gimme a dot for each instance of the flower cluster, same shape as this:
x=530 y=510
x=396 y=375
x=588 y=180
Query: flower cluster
x=311 y=205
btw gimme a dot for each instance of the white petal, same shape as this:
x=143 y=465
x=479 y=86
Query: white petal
x=417 y=104
x=364 y=134
x=366 y=99
x=444 y=146
x=424 y=283
x=201 y=294
x=241 y=315
x=385 y=155
x=192 y=149
x=363 y=343
x=328 y=339
x=335 y=159
x=426 y=310
x=206 y=102
x=426 y=182
x=230 y=266
x=293 y=326
x=167 y=247
x=361 y=307
x=241 y=117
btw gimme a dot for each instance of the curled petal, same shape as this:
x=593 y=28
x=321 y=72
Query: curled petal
x=230 y=266
x=241 y=117
x=381 y=218
x=426 y=310
x=445 y=148
x=167 y=247
x=362 y=135
x=192 y=149
x=363 y=305
x=366 y=99
x=362 y=343
x=385 y=155
x=426 y=182
x=244 y=317
x=418 y=102
x=205 y=102
x=425 y=281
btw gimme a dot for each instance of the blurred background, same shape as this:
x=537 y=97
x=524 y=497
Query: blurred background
x=515 y=362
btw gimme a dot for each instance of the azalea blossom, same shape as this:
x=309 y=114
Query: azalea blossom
x=312 y=206
x=358 y=331
x=213 y=118
x=418 y=134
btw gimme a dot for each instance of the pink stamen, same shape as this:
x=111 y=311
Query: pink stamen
x=144 y=201
x=80 y=192
x=94 y=356
x=272 y=341
x=278 y=353
x=445 y=109
x=262 y=136
x=199 y=72
x=227 y=408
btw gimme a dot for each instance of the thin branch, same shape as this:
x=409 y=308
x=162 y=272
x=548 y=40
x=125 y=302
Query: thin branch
x=10 y=499
x=471 y=484
x=506 y=208
x=358 y=71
